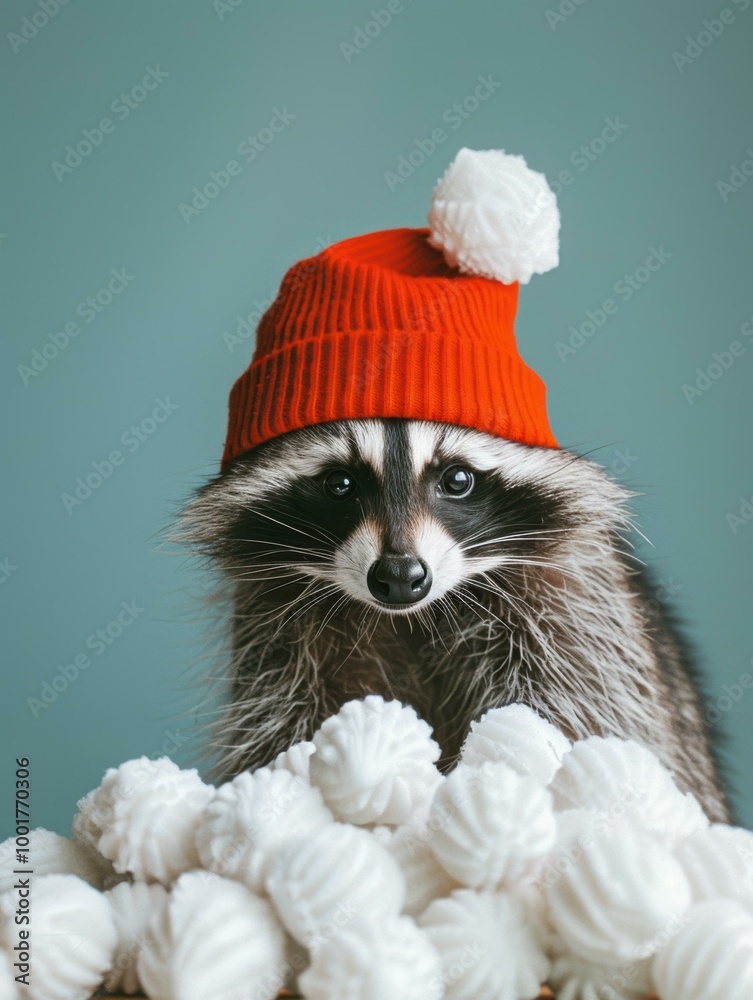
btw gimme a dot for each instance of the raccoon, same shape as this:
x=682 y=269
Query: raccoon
x=448 y=568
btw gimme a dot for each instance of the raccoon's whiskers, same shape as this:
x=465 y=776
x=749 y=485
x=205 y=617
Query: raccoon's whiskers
x=307 y=600
x=318 y=597
x=493 y=586
x=332 y=612
x=463 y=594
x=536 y=596
x=281 y=547
x=514 y=537
x=323 y=536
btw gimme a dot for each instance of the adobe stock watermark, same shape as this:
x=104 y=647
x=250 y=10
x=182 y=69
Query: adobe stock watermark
x=712 y=28
x=68 y=672
x=569 y=854
x=731 y=695
x=36 y=22
x=453 y=117
x=721 y=362
x=666 y=590
x=621 y=461
x=275 y=981
x=563 y=13
x=742 y=517
x=141 y=771
x=457 y=970
x=624 y=289
x=373 y=28
x=121 y=108
x=7 y=569
x=588 y=153
x=582 y=157
x=248 y=149
x=245 y=324
x=627 y=978
x=739 y=175
x=442 y=814
x=87 y=310
x=224 y=7
x=270 y=810
x=131 y=440
x=617 y=982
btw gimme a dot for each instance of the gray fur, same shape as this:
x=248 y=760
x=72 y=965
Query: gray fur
x=570 y=631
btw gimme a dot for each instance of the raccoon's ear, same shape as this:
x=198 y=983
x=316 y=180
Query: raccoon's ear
x=492 y=216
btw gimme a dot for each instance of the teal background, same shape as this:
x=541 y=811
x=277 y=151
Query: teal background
x=321 y=179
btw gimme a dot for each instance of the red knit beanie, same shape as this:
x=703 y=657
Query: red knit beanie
x=412 y=323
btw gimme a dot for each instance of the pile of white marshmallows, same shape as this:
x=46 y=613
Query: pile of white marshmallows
x=351 y=869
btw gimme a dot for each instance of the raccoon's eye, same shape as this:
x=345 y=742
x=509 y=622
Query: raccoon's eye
x=340 y=484
x=456 y=482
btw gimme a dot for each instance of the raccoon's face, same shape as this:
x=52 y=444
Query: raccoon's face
x=395 y=514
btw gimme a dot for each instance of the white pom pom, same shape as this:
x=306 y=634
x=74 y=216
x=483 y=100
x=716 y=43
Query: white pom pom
x=143 y=817
x=719 y=863
x=73 y=937
x=711 y=958
x=56 y=855
x=575 y=978
x=518 y=736
x=133 y=905
x=610 y=774
x=85 y=828
x=8 y=985
x=214 y=938
x=491 y=826
x=296 y=760
x=613 y=890
x=388 y=960
x=383 y=834
x=530 y=895
x=425 y=878
x=374 y=762
x=249 y=819
x=491 y=215
x=485 y=947
x=338 y=872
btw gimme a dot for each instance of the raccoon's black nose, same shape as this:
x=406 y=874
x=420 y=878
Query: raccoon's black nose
x=399 y=580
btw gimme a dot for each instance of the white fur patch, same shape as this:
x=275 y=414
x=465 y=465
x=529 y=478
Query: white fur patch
x=432 y=544
x=423 y=439
x=439 y=550
x=370 y=442
x=299 y=457
x=353 y=559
